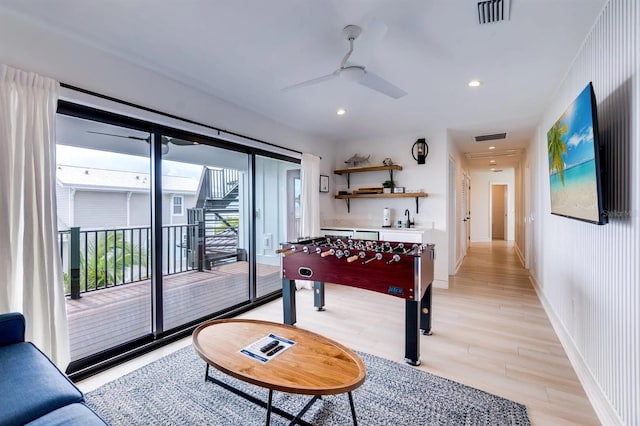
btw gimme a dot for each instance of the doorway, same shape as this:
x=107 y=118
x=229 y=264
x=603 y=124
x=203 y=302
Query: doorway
x=499 y=212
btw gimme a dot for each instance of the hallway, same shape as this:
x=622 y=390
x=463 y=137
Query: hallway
x=512 y=349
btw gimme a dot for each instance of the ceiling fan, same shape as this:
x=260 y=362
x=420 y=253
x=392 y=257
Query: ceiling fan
x=357 y=73
x=166 y=140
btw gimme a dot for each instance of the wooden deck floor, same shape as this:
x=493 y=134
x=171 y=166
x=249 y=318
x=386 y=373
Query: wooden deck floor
x=105 y=318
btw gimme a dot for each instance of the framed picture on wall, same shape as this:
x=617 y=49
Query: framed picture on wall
x=324 y=183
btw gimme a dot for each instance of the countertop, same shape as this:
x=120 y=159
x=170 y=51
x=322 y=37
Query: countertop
x=374 y=228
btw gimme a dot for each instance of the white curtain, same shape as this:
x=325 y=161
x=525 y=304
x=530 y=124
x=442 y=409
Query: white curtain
x=310 y=198
x=30 y=266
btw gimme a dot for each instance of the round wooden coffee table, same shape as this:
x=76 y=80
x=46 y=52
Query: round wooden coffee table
x=314 y=365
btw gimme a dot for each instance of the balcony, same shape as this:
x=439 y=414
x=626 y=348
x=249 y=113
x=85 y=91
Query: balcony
x=107 y=276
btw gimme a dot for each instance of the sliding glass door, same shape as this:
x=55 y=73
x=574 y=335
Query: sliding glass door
x=277 y=217
x=103 y=188
x=161 y=229
x=204 y=230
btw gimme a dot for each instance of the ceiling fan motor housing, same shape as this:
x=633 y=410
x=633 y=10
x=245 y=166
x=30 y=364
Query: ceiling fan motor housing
x=351 y=32
x=352 y=73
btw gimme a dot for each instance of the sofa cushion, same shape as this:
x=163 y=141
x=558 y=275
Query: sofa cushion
x=12 y=327
x=31 y=384
x=70 y=415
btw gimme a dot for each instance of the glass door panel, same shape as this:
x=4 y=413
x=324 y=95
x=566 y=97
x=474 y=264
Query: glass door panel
x=277 y=215
x=103 y=190
x=205 y=230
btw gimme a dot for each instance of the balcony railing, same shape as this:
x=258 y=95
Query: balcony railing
x=99 y=259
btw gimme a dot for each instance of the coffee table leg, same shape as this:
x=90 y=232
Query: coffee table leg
x=353 y=409
x=269 y=407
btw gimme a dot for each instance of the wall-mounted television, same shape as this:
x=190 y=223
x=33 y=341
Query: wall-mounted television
x=573 y=148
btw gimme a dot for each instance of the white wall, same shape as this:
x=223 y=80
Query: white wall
x=481 y=203
x=430 y=177
x=587 y=275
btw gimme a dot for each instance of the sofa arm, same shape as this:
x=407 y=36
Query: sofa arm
x=12 y=326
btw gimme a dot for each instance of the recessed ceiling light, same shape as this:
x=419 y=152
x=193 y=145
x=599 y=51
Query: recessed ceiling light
x=492 y=162
x=474 y=83
x=341 y=111
x=492 y=147
x=493 y=169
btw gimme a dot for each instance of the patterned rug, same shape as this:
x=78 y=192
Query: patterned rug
x=172 y=391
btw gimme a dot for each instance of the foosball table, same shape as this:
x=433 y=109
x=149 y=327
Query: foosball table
x=398 y=269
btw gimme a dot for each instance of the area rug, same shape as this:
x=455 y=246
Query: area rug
x=172 y=391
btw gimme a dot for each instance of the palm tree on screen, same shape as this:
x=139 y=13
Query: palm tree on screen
x=556 y=148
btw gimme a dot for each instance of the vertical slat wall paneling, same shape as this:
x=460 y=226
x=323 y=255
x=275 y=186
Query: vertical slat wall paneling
x=589 y=274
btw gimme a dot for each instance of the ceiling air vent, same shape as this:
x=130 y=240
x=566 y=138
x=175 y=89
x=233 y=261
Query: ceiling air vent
x=500 y=154
x=495 y=136
x=493 y=11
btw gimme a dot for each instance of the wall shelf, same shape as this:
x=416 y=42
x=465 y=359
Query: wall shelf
x=367 y=169
x=348 y=172
x=391 y=168
x=348 y=197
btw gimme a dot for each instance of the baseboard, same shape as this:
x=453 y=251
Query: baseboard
x=481 y=240
x=458 y=265
x=520 y=256
x=607 y=414
x=440 y=283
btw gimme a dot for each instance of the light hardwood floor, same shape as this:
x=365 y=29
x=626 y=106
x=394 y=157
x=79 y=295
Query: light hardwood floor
x=489 y=331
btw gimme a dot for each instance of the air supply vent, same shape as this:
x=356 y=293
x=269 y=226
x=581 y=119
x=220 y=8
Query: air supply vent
x=500 y=154
x=490 y=11
x=495 y=136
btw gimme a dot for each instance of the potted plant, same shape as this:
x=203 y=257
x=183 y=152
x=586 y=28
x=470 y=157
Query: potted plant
x=387 y=186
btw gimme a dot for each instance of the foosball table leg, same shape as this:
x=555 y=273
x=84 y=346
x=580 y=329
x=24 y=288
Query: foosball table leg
x=289 y=301
x=318 y=295
x=412 y=332
x=425 y=312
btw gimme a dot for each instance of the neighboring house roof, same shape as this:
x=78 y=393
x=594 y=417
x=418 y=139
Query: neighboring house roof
x=117 y=180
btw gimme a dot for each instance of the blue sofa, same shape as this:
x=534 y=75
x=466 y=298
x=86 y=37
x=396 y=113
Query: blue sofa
x=33 y=390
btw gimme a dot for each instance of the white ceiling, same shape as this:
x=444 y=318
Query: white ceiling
x=246 y=51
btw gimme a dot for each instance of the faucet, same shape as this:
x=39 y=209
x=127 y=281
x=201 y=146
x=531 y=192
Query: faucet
x=408 y=223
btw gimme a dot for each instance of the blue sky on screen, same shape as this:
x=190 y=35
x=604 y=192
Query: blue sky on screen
x=579 y=138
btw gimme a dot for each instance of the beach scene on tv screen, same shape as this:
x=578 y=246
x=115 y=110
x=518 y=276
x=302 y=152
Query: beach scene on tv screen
x=572 y=167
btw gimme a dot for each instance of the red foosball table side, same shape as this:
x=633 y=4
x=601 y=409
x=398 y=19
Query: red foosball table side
x=402 y=270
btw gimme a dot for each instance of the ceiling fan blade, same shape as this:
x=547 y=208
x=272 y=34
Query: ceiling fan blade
x=120 y=136
x=313 y=81
x=377 y=83
x=176 y=141
x=373 y=31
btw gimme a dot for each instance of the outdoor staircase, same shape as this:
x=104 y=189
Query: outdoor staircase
x=217 y=210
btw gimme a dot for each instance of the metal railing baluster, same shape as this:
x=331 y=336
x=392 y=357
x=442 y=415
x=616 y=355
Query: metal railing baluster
x=96 y=256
